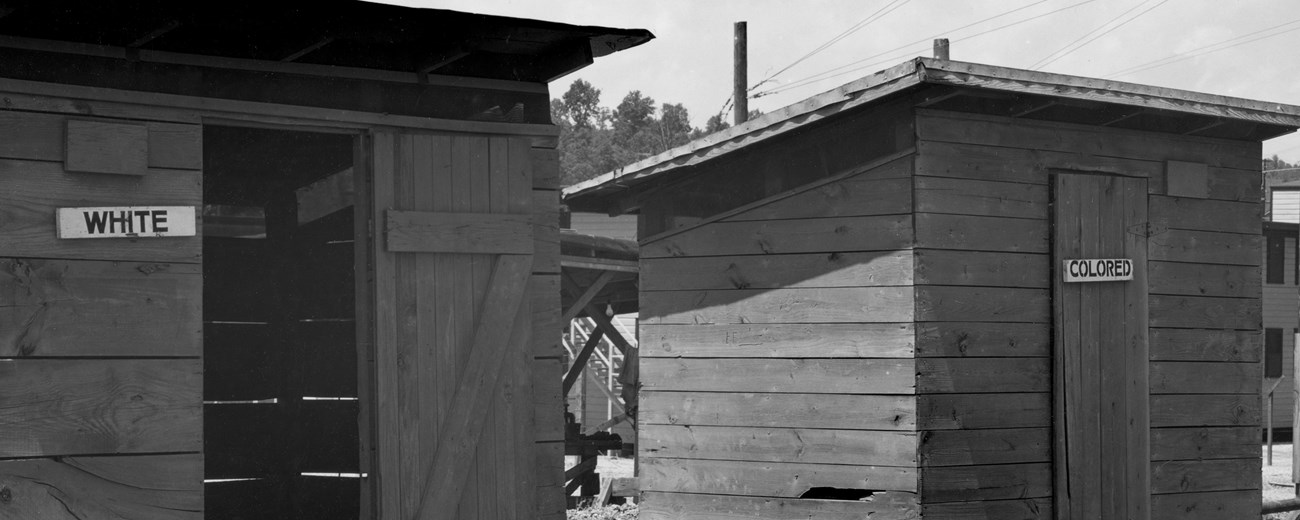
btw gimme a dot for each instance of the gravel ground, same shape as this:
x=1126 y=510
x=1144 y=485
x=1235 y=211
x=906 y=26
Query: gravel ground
x=1277 y=478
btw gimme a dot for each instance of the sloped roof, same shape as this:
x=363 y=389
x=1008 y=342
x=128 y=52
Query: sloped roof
x=987 y=88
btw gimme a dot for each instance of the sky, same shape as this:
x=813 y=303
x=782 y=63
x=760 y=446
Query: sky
x=1240 y=48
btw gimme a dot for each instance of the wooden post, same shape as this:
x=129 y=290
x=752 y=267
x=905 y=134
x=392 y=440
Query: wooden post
x=941 y=49
x=741 y=74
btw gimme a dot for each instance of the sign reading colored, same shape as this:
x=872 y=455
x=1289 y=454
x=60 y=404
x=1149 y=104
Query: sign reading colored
x=127 y=222
x=1098 y=270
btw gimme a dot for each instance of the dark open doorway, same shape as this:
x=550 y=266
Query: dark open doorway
x=281 y=399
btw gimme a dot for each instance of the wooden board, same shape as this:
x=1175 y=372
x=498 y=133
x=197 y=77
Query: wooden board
x=1198 y=443
x=994 y=482
x=978 y=197
x=773 y=479
x=1019 y=164
x=1192 y=476
x=442 y=232
x=35 y=189
x=953 y=339
x=827 y=235
x=1206 y=247
x=989 y=304
x=740 y=306
x=1205 y=345
x=1186 y=377
x=1205 y=215
x=945 y=267
x=40 y=136
x=107 y=147
x=982 y=375
x=1205 y=312
x=59 y=308
x=979 y=411
x=1185 y=279
x=155 y=487
x=688 y=506
x=1027 y=509
x=546 y=168
x=1206 y=506
x=832 y=411
x=962 y=232
x=810 y=376
x=802 y=445
x=102 y=406
x=822 y=340
x=976 y=447
x=877 y=192
x=1205 y=410
x=818 y=270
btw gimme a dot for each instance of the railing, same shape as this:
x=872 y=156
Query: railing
x=605 y=363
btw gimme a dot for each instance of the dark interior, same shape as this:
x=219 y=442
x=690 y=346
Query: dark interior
x=280 y=393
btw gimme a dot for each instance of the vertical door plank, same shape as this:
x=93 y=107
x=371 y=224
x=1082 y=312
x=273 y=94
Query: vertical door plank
x=408 y=369
x=1137 y=355
x=1113 y=410
x=1065 y=245
x=387 y=433
x=1090 y=397
x=432 y=167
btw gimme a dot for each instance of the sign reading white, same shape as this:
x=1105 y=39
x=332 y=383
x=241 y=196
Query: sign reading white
x=1098 y=270
x=127 y=222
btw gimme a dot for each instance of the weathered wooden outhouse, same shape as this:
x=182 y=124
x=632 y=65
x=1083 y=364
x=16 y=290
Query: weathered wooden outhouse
x=952 y=290
x=280 y=260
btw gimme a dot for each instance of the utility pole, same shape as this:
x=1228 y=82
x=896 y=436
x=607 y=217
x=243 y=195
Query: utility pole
x=741 y=75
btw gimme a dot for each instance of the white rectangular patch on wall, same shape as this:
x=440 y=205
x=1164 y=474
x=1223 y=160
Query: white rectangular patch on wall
x=1097 y=270
x=127 y=222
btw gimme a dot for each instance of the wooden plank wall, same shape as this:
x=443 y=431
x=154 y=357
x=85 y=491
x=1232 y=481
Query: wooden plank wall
x=983 y=313
x=100 y=340
x=777 y=357
x=434 y=298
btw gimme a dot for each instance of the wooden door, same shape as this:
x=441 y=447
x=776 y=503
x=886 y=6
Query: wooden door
x=452 y=327
x=1101 y=459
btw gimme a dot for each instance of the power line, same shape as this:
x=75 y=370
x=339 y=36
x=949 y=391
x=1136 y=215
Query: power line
x=1046 y=60
x=880 y=13
x=824 y=75
x=1193 y=53
x=1108 y=31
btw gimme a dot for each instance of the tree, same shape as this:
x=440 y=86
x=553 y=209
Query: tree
x=582 y=105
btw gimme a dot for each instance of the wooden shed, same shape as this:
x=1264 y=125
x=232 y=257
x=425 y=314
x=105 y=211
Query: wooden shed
x=951 y=290
x=280 y=260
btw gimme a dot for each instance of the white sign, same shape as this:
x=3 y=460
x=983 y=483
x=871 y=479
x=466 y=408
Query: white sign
x=1098 y=270
x=127 y=222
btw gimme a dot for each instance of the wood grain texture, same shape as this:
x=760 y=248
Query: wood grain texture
x=811 y=446
x=35 y=189
x=810 y=376
x=1206 y=247
x=956 y=339
x=772 y=479
x=831 y=411
x=546 y=168
x=1206 y=215
x=1174 y=278
x=935 y=125
x=976 y=447
x=546 y=231
x=1204 y=410
x=69 y=407
x=1027 y=509
x=992 y=304
x=979 y=411
x=962 y=232
x=1206 y=506
x=872 y=193
x=104 y=147
x=832 y=305
x=979 y=197
x=688 y=506
x=982 y=375
x=816 y=270
x=41 y=137
x=1205 y=312
x=1193 y=476
x=944 y=267
x=82 y=308
x=1200 y=443
x=994 y=482
x=155 y=487
x=1184 y=377
x=484 y=233
x=820 y=340
x=1205 y=345
x=826 y=235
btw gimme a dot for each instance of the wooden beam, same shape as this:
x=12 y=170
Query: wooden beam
x=167 y=27
x=441 y=60
x=308 y=49
x=1026 y=110
x=460 y=431
x=587 y=296
x=582 y=467
x=580 y=360
x=608 y=424
x=484 y=233
x=1124 y=117
x=601 y=264
x=1202 y=128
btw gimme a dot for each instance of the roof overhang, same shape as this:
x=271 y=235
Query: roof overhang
x=971 y=87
